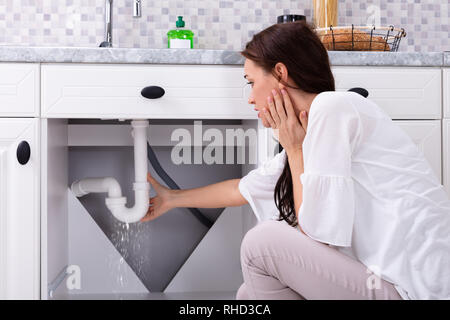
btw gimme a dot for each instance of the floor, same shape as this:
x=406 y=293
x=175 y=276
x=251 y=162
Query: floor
x=229 y=295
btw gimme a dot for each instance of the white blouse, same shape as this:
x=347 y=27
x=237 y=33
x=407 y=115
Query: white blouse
x=368 y=192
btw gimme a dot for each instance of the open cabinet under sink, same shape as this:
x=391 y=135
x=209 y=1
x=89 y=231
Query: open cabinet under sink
x=86 y=253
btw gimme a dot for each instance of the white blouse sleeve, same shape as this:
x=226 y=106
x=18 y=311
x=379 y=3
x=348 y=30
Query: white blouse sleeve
x=328 y=207
x=258 y=186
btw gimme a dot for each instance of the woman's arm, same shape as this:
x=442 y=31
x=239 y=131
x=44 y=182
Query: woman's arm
x=295 y=159
x=218 y=195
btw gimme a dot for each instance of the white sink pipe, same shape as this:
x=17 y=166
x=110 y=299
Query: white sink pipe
x=115 y=202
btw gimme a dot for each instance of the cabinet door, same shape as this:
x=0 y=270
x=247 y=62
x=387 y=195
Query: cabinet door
x=19 y=209
x=446 y=93
x=446 y=154
x=19 y=90
x=403 y=93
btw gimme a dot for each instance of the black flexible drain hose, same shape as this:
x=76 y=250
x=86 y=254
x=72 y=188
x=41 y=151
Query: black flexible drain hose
x=171 y=184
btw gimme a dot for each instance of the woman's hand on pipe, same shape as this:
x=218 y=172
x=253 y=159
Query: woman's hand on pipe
x=159 y=204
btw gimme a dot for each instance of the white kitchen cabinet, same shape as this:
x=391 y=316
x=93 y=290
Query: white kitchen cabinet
x=74 y=91
x=114 y=91
x=72 y=231
x=81 y=233
x=404 y=93
x=19 y=89
x=19 y=209
x=446 y=154
x=446 y=129
x=446 y=93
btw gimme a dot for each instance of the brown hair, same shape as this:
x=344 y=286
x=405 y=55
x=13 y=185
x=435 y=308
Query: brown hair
x=297 y=46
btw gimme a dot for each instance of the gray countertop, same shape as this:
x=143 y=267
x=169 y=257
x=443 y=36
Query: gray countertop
x=201 y=56
x=447 y=58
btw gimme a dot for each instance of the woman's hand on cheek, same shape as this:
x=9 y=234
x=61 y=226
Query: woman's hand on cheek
x=267 y=120
x=291 y=130
x=264 y=121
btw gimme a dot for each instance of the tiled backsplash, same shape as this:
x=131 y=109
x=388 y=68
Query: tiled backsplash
x=217 y=24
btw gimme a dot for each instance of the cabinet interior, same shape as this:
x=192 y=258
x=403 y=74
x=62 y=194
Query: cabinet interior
x=172 y=255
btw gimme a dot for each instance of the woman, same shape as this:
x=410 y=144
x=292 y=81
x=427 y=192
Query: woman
x=350 y=209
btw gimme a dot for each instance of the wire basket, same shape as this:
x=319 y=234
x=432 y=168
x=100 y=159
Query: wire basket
x=361 y=38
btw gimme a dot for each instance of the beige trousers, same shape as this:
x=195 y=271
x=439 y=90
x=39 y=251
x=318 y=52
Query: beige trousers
x=280 y=262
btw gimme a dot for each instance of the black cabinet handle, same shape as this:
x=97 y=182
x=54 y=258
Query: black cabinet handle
x=361 y=91
x=152 y=92
x=23 y=152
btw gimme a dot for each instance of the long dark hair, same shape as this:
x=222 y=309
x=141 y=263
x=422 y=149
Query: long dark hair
x=297 y=46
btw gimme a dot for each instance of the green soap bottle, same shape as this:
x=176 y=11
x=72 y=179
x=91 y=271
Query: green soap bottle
x=180 y=38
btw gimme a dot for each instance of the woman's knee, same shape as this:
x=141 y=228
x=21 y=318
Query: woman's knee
x=258 y=239
x=242 y=293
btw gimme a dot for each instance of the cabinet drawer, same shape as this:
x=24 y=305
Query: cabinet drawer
x=114 y=91
x=404 y=93
x=19 y=90
x=446 y=88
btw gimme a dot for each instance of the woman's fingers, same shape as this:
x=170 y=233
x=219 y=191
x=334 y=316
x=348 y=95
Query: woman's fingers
x=269 y=119
x=303 y=116
x=279 y=107
x=288 y=104
x=150 y=178
x=148 y=216
x=273 y=111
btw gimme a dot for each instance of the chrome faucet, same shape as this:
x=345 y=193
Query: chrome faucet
x=108 y=25
x=137 y=8
x=108 y=20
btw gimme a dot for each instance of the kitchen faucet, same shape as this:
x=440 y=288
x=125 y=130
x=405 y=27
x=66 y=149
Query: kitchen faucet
x=137 y=9
x=108 y=20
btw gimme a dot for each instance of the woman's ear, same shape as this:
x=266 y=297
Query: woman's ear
x=281 y=72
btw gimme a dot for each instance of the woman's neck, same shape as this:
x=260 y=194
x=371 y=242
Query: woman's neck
x=301 y=101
